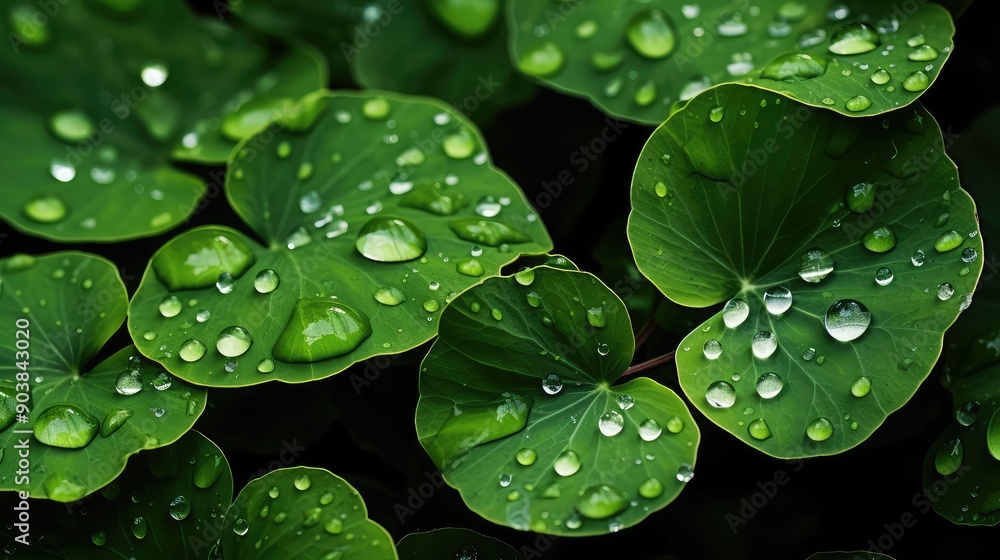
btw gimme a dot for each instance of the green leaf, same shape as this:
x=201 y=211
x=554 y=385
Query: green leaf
x=635 y=61
x=511 y=397
x=302 y=512
x=166 y=504
x=728 y=211
x=59 y=310
x=328 y=192
x=109 y=98
x=464 y=543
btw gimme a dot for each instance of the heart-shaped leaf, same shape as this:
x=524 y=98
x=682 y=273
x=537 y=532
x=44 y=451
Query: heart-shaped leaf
x=167 y=504
x=78 y=427
x=455 y=50
x=371 y=220
x=635 y=60
x=465 y=544
x=97 y=101
x=844 y=248
x=518 y=410
x=305 y=513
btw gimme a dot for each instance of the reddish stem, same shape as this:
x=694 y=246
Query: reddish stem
x=649 y=364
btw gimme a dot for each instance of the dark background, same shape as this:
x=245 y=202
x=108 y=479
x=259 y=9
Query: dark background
x=363 y=429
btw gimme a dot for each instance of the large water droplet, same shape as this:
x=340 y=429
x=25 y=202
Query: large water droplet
x=46 y=209
x=180 y=508
x=488 y=206
x=476 y=424
x=65 y=425
x=949 y=457
x=948 y=241
x=735 y=312
x=759 y=430
x=543 y=60
x=794 y=66
x=487 y=232
x=917 y=81
x=192 y=350
x=712 y=349
x=625 y=401
x=651 y=33
x=967 y=413
x=129 y=382
x=466 y=18
x=820 y=430
x=854 y=38
x=114 y=421
x=649 y=430
x=685 y=473
x=601 y=502
x=460 y=145
x=386 y=239
x=611 y=423
x=993 y=435
x=233 y=341
x=847 y=319
x=945 y=291
x=720 y=394
x=567 y=463
x=763 y=344
x=769 y=385
x=552 y=384
x=816 y=265
x=241 y=526
x=923 y=53
x=526 y=457
x=321 y=329
x=198 y=258
x=651 y=488
x=879 y=239
x=266 y=281
x=170 y=306
x=777 y=300
x=861 y=387
x=390 y=296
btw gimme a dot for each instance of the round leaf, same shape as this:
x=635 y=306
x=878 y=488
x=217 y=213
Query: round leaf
x=167 y=504
x=527 y=450
x=306 y=513
x=323 y=202
x=636 y=60
x=760 y=202
x=112 y=97
x=464 y=543
x=82 y=425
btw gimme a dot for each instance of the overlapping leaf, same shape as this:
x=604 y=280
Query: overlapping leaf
x=100 y=96
x=374 y=211
x=637 y=59
x=518 y=410
x=844 y=247
x=79 y=426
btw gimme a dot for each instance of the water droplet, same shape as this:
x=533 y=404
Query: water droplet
x=808 y=354
x=114 y=421
x=321 y=329
x=154 y=75
x=917 y=81
x=858 y=103
x=390 y=296
x=967 y=413
x=777 y=300
x=376 y=109
x=567 y=463
x=526 y=457
x=496 y=314
x=880 y=77
x=712 y=349
x=65 y=425
x=611 y=423
x=140 y=527
x=715 y=114
x=949 y=457
x=816 y=265
x=586 y=29
x=645 y=94
x=923 y=53
x=854 y=38
x=505 y=480
x=595 y=316
x=28 y=26
x=162 y=382
x=386 y=239
x=847 y=319
x=918 y=258
x=233 y=341
x=488 y=207
x=431 y=305
x=651 y=488
x=180 y=507
x=969 y=255
x=735 y=312
x=883 y=276
x=129 y=382
x=879 y=239
x=794 y=66
x=266 y=281
x=170 y=306
x=544 y=60
x=820 y=430
x=240 y=527
x=98 y=538
x=333 y=526
x=602 y=347
x=601 y=502
x=948 y=241
x=552 y=384
x=720 y=394
x=225 y=283
x=46 y=209
x=763 y=344
x=861 y=387
x=759 y=430
x=651 y=33
x=525 y=276
x=769 y=385
x=945 y=291
x=302 y=482
x=685 y=473
x=299 y=237
x=192 y=350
